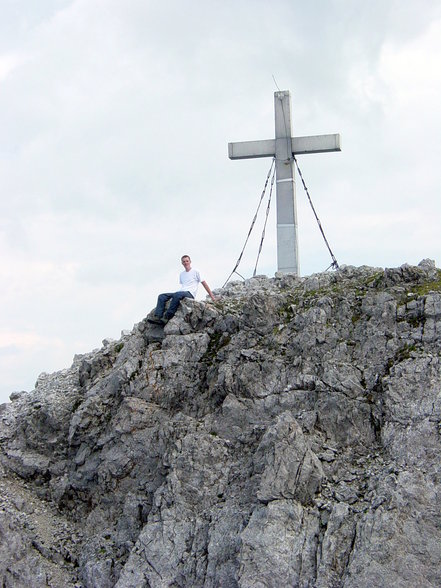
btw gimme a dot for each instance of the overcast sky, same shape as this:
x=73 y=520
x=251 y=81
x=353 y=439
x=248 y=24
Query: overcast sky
x=115 y=119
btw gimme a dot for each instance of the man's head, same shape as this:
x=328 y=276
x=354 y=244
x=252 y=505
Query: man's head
x=186 y=262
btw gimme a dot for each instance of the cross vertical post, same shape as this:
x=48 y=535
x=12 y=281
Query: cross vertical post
x=287 y=240
x=284 y=147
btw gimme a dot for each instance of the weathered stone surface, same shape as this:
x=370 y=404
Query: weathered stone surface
x=290 y=468
x=288 y=435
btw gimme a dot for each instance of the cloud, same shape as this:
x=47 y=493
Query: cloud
x=113 y=154
x=22 y=355
x=412 y=76
x=25 y=340
x=8 y=63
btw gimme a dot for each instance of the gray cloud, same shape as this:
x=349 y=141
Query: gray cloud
x=113 y=154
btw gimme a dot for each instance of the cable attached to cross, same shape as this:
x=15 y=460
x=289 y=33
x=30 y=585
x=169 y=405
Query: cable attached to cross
x=273 y=177
x=272 y=174
x=273 y=170
x=334 y=263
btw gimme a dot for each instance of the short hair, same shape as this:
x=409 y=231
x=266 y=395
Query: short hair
x=182 y=258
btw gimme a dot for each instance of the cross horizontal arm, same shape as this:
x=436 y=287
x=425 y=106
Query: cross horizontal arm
x=252 y=149
x=316 y=144
x=300 y=146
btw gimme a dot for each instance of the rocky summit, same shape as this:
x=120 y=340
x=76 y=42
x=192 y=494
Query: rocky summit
x=287 y=435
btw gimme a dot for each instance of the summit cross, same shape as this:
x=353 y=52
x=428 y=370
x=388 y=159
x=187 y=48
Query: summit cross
x=284 y=147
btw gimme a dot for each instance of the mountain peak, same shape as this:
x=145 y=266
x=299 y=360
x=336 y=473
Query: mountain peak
x=287 y=435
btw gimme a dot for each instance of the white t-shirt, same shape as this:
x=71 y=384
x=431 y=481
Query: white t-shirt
x=190 y=281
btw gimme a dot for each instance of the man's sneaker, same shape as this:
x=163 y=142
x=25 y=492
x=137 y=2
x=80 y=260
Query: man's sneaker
x=156 y=320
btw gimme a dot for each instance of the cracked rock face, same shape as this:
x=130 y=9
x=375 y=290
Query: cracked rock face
x=288 y=435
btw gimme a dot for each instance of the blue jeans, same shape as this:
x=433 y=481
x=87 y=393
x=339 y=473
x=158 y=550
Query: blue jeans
x=175 y=298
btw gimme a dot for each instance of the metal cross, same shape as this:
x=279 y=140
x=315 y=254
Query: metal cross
x=283 y=148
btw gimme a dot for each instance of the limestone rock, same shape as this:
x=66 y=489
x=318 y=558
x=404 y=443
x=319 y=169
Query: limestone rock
x=288 y=435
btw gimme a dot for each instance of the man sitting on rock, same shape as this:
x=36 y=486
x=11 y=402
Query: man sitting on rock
x=189 y=280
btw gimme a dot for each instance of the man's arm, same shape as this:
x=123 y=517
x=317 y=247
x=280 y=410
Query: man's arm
x=207 y=288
